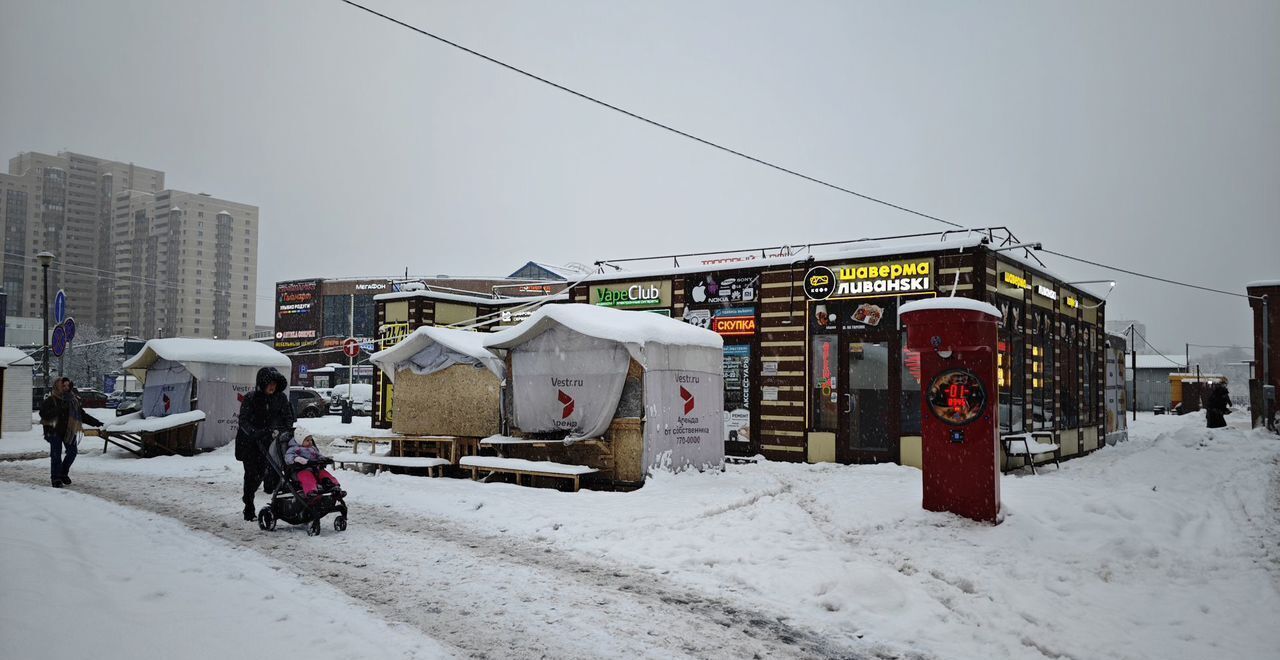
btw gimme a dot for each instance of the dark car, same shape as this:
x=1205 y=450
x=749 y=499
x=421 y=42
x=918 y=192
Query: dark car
x=90 y=398
x=307 y=402
x=130 y=402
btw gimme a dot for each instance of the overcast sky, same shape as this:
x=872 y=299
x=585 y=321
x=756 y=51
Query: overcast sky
x=1144 y=134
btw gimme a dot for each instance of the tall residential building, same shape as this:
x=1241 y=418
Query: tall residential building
x=67 y=200
x=186 y=265
x=133 y=257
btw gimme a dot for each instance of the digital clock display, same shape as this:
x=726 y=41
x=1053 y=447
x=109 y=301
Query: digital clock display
x=957 y=397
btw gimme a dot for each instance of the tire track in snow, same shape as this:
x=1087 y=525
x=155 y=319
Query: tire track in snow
x=490 y=596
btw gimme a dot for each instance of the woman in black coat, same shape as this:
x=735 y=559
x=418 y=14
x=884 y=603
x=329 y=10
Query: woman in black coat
x=263 y=410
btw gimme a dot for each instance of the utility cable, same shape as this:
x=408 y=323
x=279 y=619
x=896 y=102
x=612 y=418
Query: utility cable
x=1150 y=277
x=652 y=122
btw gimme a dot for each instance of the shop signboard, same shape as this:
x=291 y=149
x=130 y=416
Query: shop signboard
x=714 y=288
x=632 y=295
x=909 y=277
x=734 y=321
x=297 y=320
x=389 y=334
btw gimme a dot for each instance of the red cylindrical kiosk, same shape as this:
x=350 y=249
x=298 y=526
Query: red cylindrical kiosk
x=956 y=339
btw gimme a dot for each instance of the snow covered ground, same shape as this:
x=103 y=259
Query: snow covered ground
x=1162 y=547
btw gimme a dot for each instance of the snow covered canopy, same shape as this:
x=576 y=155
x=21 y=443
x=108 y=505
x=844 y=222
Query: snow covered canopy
x=223 y=371
x=195 y=353
x=569 y=365
x=430 y=349
x=12 y=357
x=653 y=340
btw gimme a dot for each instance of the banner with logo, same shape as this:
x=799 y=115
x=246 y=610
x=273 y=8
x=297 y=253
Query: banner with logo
x=168 y=389
x=870 y=280
x=684 y=420
x=566 y=381
x=219 y=393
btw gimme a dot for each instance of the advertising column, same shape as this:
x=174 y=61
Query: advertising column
x=726 y=303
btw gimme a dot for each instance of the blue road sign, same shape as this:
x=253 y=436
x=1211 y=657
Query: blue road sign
x=60 y=306
x=59 y=341
x=302 y=371
x=69 y=327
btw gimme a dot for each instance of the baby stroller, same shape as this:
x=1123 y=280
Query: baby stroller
x=287 y=500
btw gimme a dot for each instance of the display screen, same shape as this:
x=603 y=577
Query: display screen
x=957 y=397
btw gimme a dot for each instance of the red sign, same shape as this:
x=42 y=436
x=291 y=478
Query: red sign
x=350 y=347
x=734 y=325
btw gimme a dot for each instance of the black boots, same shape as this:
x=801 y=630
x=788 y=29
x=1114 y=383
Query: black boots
x=248 y=513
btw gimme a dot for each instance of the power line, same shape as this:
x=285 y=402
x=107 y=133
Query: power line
x=652 y=122
x=1150 y=277
x=1144 y=340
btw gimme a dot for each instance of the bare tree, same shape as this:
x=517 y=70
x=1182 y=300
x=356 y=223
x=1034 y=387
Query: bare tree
x=91 y=356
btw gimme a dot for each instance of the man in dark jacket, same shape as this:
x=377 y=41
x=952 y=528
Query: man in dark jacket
x=63 y=419
x=263 y=410
x=1216 y=406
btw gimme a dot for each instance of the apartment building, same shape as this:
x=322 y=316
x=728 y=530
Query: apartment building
x=186 y=265
x=133 y=257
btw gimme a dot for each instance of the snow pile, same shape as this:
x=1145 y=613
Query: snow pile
x=947 y=302
x=134 y=422
x=422 y=351
x=88 y=579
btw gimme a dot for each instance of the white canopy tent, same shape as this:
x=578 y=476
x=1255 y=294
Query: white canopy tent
x=15 y=400
x=430 y=349
x=220 y=371
x=569 y=364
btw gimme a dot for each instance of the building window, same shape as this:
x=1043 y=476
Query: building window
x=1090 y=350
x=1042 y=370
x=1069 y=379
x=909 y=402
x=1011 y=362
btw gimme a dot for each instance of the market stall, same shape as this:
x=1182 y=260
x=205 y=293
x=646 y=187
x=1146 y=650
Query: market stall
x=624 y=393
x=15 y=390
x=211 y=375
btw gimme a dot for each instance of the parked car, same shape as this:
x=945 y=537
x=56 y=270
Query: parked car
x=91 y=398
x=307 y=402
x=360 y=394
x=130 y=402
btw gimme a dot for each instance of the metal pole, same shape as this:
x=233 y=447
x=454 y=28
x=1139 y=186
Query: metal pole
x=45 y=352
x=1266 y=357
x=1133 y=366
x=1187 y=351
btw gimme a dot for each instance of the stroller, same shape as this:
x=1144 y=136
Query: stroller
x=287 y=500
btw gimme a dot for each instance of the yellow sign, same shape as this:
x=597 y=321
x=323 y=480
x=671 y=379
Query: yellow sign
x=895 y=278
x=1016 y=280
x=1072 y=302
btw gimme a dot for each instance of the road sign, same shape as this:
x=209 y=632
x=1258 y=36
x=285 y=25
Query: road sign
x=59 y=341
x=60 y=306
x=367 y=347
x=69 y=326
x=350 y=347
x=302 y=371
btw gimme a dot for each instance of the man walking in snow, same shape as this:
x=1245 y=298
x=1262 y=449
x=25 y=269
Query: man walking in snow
x=263 y=410
x=1217 y=405
x=63 y=419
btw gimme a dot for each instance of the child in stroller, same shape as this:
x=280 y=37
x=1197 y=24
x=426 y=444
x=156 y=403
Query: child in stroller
x=304 y=492
x=312 y=462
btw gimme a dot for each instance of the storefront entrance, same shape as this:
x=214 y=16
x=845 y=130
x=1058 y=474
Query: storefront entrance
x=856 y=378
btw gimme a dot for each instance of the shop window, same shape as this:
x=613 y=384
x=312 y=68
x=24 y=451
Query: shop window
x=824 y=364
x=1089 y=350
x=909 y=400
x=1069 y=379
x=1011 y=362
x=1042 y=370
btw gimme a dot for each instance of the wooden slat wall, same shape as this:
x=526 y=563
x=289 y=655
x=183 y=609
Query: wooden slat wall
x=783 y=423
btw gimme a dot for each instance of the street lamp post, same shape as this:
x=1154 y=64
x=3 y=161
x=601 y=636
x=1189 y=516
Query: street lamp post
x=45 y=259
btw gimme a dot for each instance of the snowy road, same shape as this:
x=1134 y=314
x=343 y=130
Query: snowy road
x=490 y=596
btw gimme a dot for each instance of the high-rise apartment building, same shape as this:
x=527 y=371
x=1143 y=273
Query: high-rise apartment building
x=170 y=275
x=186 y=265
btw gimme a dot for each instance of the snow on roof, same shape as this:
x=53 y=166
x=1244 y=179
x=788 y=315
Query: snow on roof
x=212 y=351
x=134 y=423
x=1262 y=283
x=463 y=342
x=12 y=357
x=474 y=300
x=628 y=327
x=843 y=252
x=1156 y=362
x=949 y=302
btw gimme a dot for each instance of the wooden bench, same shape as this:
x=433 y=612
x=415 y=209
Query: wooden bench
x=179 y=439
x=451 y=447
x=1028 y=447
x=520 y=467
x=434 y=466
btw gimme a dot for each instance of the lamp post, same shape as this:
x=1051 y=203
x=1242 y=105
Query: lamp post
x=46 y=259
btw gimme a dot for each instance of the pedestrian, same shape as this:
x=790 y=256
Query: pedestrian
x=263 y=410
x=63 y=419
x=1217 y=405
